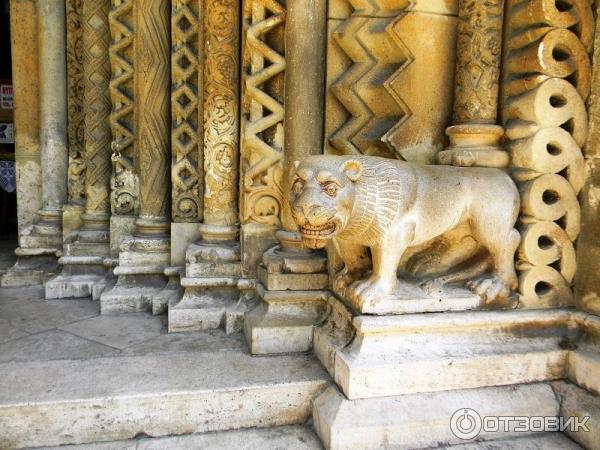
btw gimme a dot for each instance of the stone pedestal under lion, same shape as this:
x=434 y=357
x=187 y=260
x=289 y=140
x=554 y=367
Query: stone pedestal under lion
x=412 y=238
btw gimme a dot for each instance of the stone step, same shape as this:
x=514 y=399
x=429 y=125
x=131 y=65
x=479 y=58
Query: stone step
x=106 y=399
x=398 y=355
x=544 y=441
x=292 y=437
x=419 y=421
x=576 y=402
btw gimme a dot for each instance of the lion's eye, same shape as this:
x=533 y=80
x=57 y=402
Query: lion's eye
x=298 y=186
x=331 y=189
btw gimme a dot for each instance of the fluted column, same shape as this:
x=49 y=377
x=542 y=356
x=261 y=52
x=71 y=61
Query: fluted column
x=53 y=112
x=475 y=136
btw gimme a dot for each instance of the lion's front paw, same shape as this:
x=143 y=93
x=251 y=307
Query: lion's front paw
x=490 y=289
x=371 y=291
x=342 y=280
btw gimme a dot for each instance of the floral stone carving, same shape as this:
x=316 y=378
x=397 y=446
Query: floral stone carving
x=439 y=228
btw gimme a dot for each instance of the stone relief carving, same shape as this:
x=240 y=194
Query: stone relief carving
x=186 y=97
x=547 y=79
x=374 y=55
x=388 y=217
x=124 y=183
x=97 y=106
x=221 y=112
x=263 y=111
x=76 y=128
x=479 y=40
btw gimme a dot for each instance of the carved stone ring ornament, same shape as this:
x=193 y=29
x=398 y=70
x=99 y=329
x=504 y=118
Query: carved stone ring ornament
x=380 y=213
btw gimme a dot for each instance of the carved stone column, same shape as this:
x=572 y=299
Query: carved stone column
x=86 y=248
x=292 y=279
x=213 y=263
x=30 y=267
x=143 y=258
x=475 y=137
x=187 y=137
x=76 y=128
x=44 y=239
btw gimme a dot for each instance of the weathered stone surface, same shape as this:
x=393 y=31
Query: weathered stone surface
x=421 y=420
x=578 y=403
x=546 y=441
x=175 y=394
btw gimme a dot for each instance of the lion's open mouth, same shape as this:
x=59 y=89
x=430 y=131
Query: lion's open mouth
x=315 y=232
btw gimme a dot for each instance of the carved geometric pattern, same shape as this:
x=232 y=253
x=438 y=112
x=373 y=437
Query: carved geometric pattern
x=221 y=112
x=97 y=105
x=263 y=111
x=546 y=81
x=124 y=189
x=76 y=126
x=368 y=90
x=186 y=132
x=154 y=117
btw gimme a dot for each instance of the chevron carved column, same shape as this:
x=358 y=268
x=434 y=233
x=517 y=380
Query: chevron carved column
x=384 y=78
x=86 y=249
x=292 y=281
x=475 y=136
x=143 y=258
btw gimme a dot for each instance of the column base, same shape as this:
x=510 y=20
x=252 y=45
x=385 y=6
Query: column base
x=293 y=292
x=171 y=293
x=475 y=145
x=212 y=275
x=79 y=276
x=284 y=321
x=32 y=268
x=140 y=273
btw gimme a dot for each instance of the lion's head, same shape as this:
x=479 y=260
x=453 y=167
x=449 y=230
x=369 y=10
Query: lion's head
x=322 y=197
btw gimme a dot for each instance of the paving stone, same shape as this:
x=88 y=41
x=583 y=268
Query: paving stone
x=9 y=332
x=53 y=344
x=118 y=331
x=547 y=441
x=11 y=294
x=213 y=340
x=37 y=316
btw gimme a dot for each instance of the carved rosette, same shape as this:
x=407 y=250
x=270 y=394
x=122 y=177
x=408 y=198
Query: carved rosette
x=187 y=129
x=124 y=189
x=153 y=78
x=221 y=119
x=479 y=51
x=97 y=106
x=76 y=128
x=263 y=111
x=546 y=82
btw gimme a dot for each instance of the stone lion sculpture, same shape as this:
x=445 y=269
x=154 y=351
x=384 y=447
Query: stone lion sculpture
x=391 y=207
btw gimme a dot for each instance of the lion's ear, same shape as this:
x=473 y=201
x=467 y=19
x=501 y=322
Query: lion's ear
x=353 y=169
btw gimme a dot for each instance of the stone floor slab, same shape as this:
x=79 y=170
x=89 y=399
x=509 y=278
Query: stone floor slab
x=118 y=331
x=53 y=344
x=9 y=332
x=24 y=293
x=35 y=316
x=547 y=441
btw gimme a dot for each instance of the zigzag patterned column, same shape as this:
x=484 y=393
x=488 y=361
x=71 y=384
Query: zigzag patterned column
x=293 y=280
x=87 y=248
x=262 y=128
x=546 y=80
x=143 y=258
